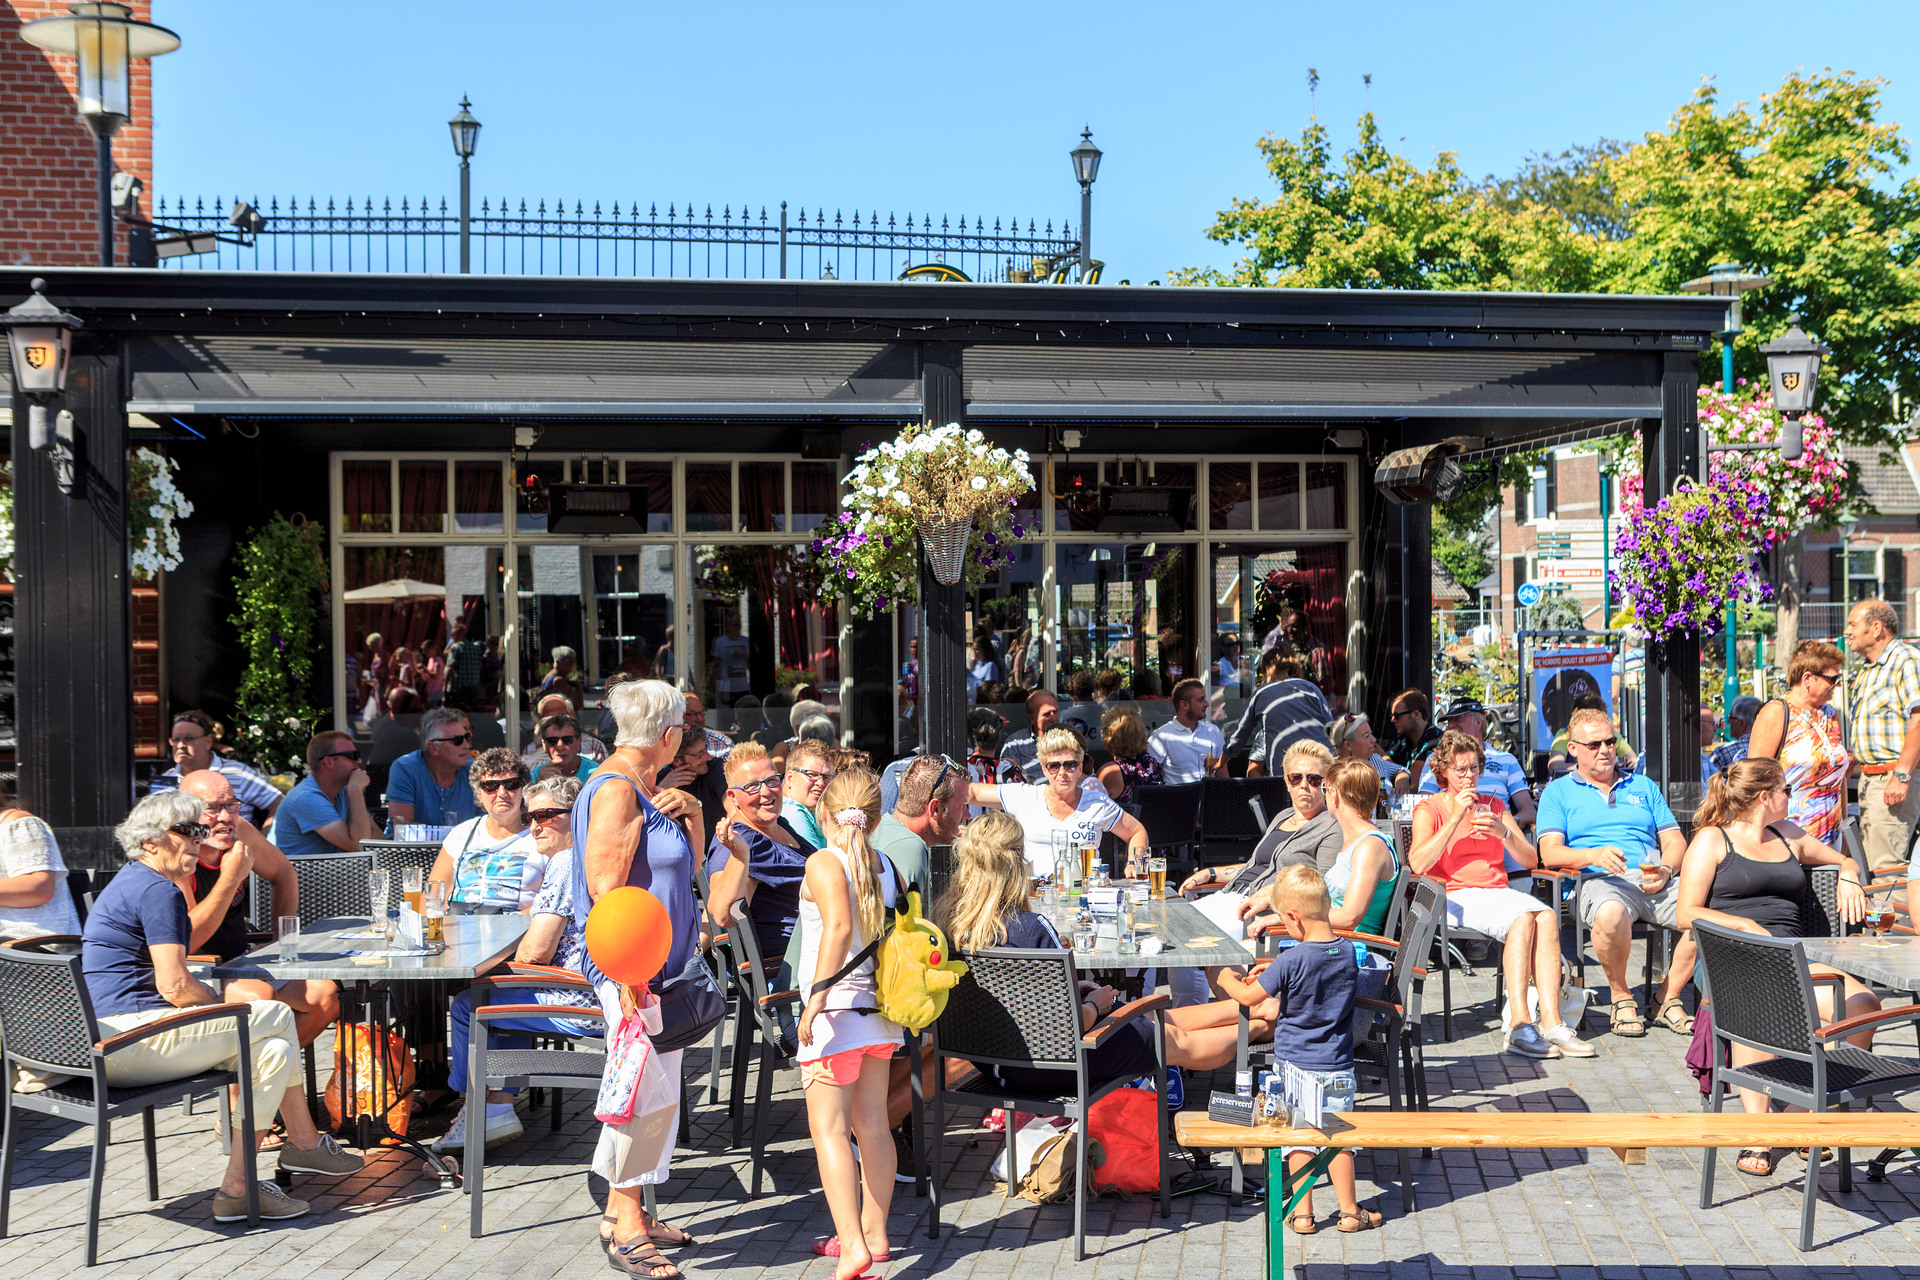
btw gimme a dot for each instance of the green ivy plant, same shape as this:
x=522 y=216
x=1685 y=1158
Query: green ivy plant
x=280 y=583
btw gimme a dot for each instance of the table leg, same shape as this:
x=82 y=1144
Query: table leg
x=1284 y=1191
x=369 y=1128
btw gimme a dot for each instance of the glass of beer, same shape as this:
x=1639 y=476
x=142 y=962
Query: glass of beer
x=1087 y=854
x=1879 y=920
x=1157 y=879
x=410 y=878
x=433 y=916
x=1208 y=763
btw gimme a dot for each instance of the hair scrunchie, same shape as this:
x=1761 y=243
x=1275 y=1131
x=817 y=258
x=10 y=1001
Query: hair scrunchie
x=856 y=818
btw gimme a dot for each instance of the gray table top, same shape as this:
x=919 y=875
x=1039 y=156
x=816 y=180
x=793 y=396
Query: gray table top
x=1177 y=922
x=475 y=944
x=1895 y=966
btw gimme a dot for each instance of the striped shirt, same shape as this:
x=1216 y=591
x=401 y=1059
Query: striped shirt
x=1885 y=695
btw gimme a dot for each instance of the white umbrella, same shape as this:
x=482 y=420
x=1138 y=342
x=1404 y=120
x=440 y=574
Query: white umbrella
x=396 y=589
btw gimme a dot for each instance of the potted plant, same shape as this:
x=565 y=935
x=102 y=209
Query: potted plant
x=1683 y=560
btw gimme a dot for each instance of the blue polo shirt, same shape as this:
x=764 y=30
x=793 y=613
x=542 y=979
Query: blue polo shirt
x=1630 y=817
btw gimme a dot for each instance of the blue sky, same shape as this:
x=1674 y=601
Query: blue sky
x=949 y=109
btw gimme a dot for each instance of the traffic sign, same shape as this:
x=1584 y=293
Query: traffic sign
x=1527 y=594
x=1554 y=546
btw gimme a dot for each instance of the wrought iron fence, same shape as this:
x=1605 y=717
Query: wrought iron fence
x=551 y=240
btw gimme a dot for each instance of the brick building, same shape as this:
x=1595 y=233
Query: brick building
x=1563 y=499
x=49 y=162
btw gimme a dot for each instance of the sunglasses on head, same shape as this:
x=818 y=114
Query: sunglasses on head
x=492 y=785
x=342 y=755
x=458 y=740
x=565 y=741
x=541 y=817
x=1311 y=779
x=755 y=788
x=191 y=830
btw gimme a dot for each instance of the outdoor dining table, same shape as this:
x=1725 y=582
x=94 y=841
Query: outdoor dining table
x=1192 y=941
x=369 y=969
x=1893 y=962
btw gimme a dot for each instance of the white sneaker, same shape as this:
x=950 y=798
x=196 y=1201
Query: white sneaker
x=1527 y=1041
x=1562 y=1037
x=503 y=1125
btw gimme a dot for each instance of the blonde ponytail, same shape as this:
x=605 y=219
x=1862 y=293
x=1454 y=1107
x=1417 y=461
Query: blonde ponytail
x=855 y=796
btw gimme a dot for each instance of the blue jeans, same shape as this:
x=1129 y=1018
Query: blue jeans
x=502 y=1033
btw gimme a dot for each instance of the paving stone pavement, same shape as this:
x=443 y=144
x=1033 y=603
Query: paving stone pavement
x=1494 y=1215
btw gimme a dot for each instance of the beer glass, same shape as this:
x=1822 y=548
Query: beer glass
x=410 y=878
x=378 y=883
x=1157 y=879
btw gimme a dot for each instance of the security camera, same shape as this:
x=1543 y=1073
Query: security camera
x=247 y=218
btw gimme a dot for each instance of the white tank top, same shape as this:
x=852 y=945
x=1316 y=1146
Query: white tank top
x=839 y=1028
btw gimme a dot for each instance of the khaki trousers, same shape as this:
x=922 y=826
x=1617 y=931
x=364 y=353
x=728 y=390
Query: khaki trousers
x=213 y=1045
x=1886 y=830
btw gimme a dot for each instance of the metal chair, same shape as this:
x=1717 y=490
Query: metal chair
x=1021 y=1008
x=1228 y=826
x=330 y=885
x=776 y=1050
x=395 y=856
x=47 y=1018
x=1654 y=933
x=553 y=1069
x=1171 y=816
x=1761 y=994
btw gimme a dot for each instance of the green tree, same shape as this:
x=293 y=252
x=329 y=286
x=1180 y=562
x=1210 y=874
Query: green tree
x=281 y=583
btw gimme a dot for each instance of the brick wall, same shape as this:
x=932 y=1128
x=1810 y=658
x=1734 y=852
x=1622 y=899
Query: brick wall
x=49 y=168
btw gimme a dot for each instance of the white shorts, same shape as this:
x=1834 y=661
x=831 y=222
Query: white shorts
x=1490 y=911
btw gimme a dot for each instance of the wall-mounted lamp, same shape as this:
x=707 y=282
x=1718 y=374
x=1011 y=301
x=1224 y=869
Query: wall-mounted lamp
x=40 y=342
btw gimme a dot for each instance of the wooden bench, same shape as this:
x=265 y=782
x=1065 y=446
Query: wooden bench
x=1627 y=1134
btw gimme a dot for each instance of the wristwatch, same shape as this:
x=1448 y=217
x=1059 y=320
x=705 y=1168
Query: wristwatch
x=1901 y=775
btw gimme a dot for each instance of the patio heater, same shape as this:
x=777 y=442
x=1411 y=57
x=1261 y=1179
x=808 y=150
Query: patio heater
x=103 y=39
x=1086 y=167
x=466 y=135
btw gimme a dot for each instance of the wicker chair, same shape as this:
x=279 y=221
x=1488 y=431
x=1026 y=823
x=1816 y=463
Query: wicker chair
x=1021 y=1008
x=330 y=885
x=554 y=1069
x=47 y=1018
x=395 y=856
x=1761 y=994
x=1228 y=827
x=1171 y=816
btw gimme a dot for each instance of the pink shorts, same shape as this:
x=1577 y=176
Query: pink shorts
x=841 y=1068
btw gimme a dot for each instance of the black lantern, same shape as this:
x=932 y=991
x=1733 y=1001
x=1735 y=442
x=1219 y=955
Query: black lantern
x=465 y=129
x=1086 y=159
x=1793 y=363
x=39 y=342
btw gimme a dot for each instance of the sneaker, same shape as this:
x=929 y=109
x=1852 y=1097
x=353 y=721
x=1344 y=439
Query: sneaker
x=503 y=1125
x=275 y=1205
x=326 y=1158
x=1527 y=1041
x=1567 y=1041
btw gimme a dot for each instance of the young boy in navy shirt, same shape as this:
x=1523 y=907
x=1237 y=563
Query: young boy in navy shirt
x=1315 y=983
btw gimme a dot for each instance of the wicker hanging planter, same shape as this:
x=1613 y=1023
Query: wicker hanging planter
x=945 y=542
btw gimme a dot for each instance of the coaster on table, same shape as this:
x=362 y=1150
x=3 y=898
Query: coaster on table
x=1210 y=940
x=357 y=935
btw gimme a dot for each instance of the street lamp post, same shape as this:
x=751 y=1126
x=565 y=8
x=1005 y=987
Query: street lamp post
x=466 y=134
x=103 y=39
x=1086 y=167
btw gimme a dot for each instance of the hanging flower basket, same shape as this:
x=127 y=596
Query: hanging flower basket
x=942 y=487
x=1685 y=559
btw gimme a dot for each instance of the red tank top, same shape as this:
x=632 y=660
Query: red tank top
x=1471 y=862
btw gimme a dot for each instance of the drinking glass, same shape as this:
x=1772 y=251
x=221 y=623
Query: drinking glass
x=1129 y=920
x=1483 y=814
x=287 y=930
x=1879 y=920
x=377 y=885
x=1086 y=936
x=410 y=878
x=1087 y=854
x=1157 y=879
x=433 y=916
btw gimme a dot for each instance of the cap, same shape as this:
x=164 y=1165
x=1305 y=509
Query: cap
x=1461 y=707
x=1745 y=707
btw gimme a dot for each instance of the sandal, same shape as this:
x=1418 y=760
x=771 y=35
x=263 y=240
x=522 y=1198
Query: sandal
x=1752 y=1156
x=830 y=1248
x=1302 y=1224
x=1365 y=1220
x=639 y=1258
x=1674 y=1017
x=1626 y=1018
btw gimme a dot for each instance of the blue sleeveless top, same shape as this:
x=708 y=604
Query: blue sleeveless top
x=662 y=865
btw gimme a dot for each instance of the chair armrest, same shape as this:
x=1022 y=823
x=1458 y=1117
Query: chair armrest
x=41 y=940
x=778 y=997
x=1118 y=1018
x=1899 y=871
x=530 y=982
x=1371 y=939
x=184 y=1018
x=1885 y=1017
x=771 y=966
x=1381 y=1005
x=487 y=1013
x=1550 y=873
x=203 y=959
x=528 y=967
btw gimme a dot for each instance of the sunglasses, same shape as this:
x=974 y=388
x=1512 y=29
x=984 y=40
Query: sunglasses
x=1597 y=743
x=947 y=766
x=567 y=741
x=492 y=785
x=458 y=740
x=230 y=806
x=177 y=743
x=1311 y=779
x=1059 y=766
x=341 y=755
x=191 y=830
x=541 y=817
x=755 y=788
x=1830 y=678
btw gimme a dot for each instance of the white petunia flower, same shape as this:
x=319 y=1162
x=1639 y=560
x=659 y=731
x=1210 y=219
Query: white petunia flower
x=979 y=482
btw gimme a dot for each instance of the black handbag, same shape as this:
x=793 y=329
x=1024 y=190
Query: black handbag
x=691 y=1005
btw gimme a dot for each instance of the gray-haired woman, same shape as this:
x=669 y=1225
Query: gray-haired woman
x=134 y=958
x=628 y=831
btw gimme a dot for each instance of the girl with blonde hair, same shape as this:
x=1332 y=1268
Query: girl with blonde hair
x=845 y=1044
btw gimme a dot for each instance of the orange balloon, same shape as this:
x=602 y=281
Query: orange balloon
x=628 y=935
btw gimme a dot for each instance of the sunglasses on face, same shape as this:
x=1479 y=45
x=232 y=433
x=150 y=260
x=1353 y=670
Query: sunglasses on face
x=191 y=830
x=458 y=740
x=341 y=755
x=1311 y=779
x=541 y=817
x=567 y=741
x=755 y=788
x=491 y=785
x=1061 y=766
x=1831 y=677
x=1597 y=743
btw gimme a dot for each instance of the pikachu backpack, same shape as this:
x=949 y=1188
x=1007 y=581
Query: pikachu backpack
x=912 y=973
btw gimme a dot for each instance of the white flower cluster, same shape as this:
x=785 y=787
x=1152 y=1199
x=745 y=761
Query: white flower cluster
x=936 y=473
x=6 y=516
x=156 y=542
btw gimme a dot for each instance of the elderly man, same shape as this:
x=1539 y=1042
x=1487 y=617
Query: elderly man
x=1286 y=708
x=696 y=772
x=564 y=678
x=1616 y=829
x=217 y=901
x=192 y=742
x=535 y=755
x=1740 y=718
x=930 y=811
x=1184 y=744
x=556 y=741
x=717 y=744
x=430 y=785
x=1502 y=776
x=327 y=810
x=1885 y=739
x=1709 y=732
x=1021 y=750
